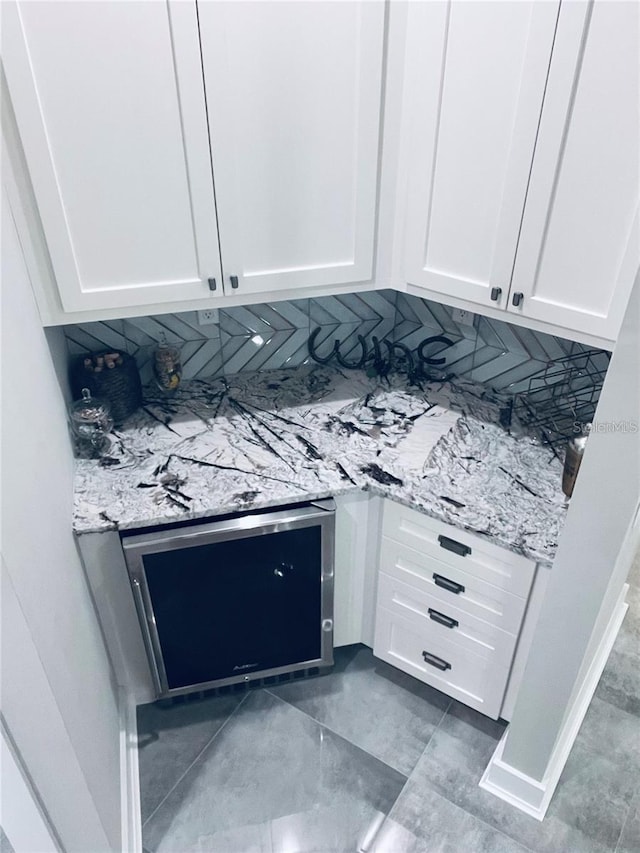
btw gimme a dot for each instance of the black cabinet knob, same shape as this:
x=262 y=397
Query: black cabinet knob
x=517 y=299
x=496 y=293
x=234 y=281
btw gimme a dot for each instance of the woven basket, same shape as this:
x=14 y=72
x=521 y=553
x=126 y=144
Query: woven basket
x=120 y=386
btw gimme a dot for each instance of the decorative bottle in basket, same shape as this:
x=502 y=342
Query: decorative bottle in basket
x=167 y=367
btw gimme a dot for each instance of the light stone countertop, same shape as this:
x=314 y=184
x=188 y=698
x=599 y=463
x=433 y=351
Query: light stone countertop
x=275 y=437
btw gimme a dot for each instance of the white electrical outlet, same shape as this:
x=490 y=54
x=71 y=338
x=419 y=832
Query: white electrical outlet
x=464 y=318
x=208 y=316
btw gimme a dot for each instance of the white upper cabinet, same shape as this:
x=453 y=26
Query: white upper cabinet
x=521 y=135
x=293 y=95
x=579 y=250
x=109 y=101
x=181 y=151
x=474 y=84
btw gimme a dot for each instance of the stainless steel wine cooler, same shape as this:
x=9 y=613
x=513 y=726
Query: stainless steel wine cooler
x=236 y=599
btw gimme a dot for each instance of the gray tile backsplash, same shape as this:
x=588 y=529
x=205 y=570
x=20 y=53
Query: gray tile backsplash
x=275 y=335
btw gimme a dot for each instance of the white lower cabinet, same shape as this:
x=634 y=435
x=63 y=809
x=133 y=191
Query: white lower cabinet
x=439 y=619
x=452 y=585
x=439 y=662
x=450 y=608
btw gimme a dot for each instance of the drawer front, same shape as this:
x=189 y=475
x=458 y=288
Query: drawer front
x=438 y=621
x=470 y=679
x=475 y=596
x=458 y=548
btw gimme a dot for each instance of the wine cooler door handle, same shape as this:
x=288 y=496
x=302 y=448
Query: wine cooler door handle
x=144 y=624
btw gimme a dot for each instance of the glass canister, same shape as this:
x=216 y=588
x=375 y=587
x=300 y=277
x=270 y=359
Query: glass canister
x=91 y=423
x=167 y=367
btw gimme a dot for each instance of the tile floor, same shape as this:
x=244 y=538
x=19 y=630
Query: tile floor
x=369 y=759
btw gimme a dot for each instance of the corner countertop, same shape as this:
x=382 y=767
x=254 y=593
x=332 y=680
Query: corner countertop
x=261 y=439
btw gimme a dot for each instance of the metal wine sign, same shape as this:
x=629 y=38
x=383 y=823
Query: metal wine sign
x=394 y=356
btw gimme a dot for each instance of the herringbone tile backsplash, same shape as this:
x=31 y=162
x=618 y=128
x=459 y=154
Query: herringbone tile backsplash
x=275 y=335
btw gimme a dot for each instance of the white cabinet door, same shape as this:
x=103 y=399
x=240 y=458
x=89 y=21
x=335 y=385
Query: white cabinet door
x=293 y=96
x=579 y=249
x=109 y=101
x=474 y=83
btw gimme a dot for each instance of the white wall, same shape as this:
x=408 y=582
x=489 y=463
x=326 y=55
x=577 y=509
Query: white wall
x=629 y=549
x=590 y=566
x=58 y=695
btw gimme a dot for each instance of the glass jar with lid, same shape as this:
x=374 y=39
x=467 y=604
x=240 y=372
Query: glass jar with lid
x=167 y=366
x=91 y=423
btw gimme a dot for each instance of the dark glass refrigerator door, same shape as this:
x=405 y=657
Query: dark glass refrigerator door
x=238 y=606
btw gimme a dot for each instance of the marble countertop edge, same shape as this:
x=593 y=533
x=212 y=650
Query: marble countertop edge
x=84 y=527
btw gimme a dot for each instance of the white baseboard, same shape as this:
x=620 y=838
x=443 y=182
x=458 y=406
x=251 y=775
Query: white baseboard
x=129 y=777
x=530 y=795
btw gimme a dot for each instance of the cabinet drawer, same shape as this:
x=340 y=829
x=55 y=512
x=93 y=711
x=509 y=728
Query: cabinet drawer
x=475 y=596
x=495 y=565
x=440 y=621
x=470 y=679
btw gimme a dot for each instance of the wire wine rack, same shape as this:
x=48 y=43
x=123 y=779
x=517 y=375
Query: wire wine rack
x=561 y=398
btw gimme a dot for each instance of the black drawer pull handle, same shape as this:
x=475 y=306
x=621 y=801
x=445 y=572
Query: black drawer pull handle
x=442 y=619
x=445 y=583
x=517 y=298
x=234 y=281
x=496 y=293
x=436 y=661
x=451 y=545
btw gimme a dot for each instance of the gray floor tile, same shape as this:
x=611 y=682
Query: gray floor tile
x=630 y=838
x=170 y=738
x=372 y=704
x=630 y=628
x=5 y=844
x=613 y=733
x=585 y=816
x=424 y=822
x=634 y=572
x=274 y=780
x=620 y=681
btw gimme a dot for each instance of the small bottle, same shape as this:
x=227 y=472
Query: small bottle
x=572 y=460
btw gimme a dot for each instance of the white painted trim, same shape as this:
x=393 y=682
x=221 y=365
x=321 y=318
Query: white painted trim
x=22 y=816
x=129 y=777
x=525 y=639
x=530 y=795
